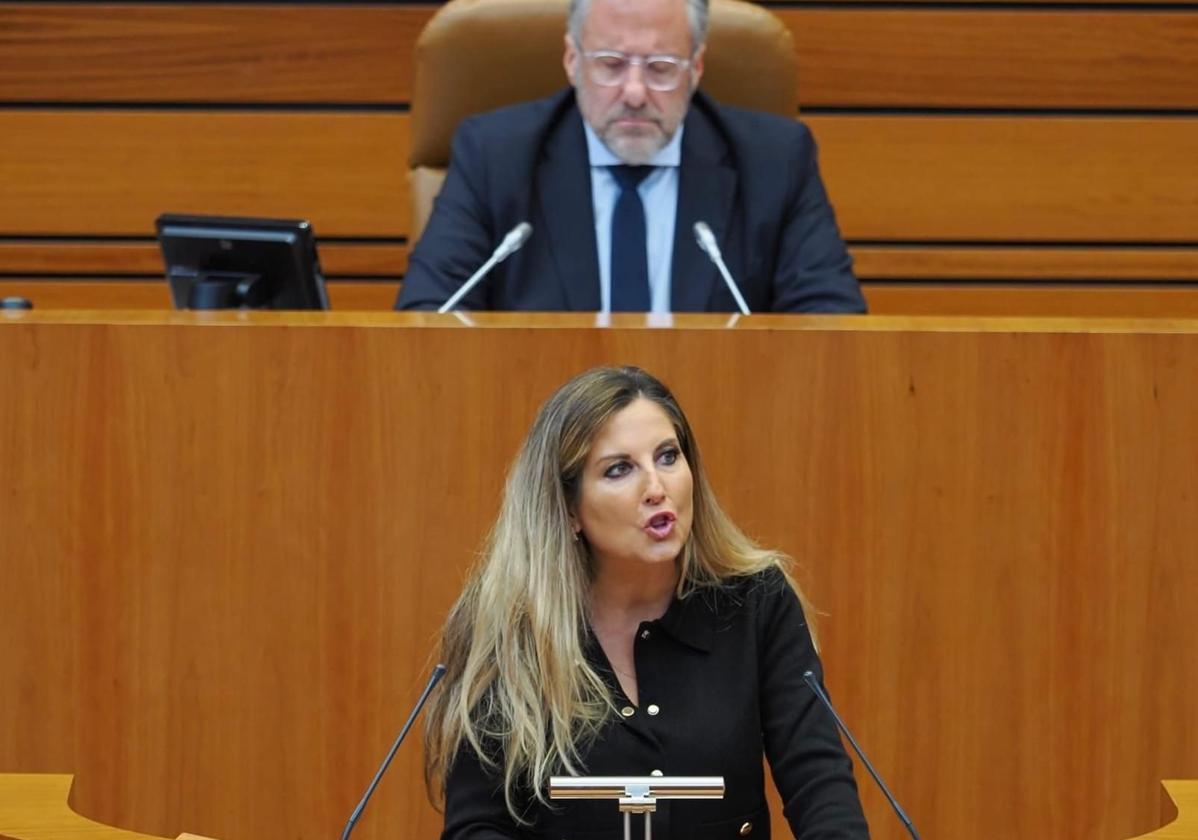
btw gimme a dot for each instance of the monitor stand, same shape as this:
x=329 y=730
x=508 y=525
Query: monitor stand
x=227 y=290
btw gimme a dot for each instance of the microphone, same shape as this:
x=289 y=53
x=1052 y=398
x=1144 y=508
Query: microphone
x=438 y=673
x=813 y=684
x=707 y=243
x=516 y=237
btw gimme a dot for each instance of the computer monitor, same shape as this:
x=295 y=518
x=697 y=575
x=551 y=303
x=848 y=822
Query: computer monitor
x=229 y=262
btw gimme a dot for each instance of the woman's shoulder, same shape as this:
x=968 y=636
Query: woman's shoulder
x=767 y=583
x=751 y=591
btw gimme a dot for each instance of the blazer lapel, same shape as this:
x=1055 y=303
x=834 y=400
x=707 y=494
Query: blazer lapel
x=564 y=191
x=706 y=187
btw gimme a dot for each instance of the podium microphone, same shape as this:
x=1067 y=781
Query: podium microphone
x=438 y=673
x=813 y=684
x=516 y=237
x=707 y=243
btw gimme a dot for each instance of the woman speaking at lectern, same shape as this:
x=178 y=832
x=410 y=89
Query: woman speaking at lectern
x=619 y=623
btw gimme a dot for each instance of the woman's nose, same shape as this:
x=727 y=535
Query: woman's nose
x=655 y=491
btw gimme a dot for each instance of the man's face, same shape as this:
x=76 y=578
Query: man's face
x=633 y=120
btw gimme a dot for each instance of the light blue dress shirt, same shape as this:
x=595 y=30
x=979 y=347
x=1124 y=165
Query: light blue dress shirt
x=659 y=195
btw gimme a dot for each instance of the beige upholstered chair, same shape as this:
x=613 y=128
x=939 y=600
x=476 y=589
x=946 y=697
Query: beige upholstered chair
x=477 y=55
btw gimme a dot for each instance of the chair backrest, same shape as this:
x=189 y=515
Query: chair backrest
x=478 y=55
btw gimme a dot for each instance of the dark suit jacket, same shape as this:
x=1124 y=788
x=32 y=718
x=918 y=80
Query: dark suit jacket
x=720 y=679
x=752 y=176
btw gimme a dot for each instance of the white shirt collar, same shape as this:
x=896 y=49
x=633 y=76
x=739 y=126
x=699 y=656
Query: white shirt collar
x=599 y=155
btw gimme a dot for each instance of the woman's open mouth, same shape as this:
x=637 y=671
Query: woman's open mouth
x=660 y=525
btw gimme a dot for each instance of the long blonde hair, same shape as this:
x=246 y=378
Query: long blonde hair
x=518 y=689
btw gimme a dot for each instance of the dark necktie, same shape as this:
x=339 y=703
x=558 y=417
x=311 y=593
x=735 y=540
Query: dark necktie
x=629 y=259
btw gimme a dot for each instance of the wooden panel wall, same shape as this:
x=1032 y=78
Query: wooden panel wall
x=1047 y=143
x=227 y=548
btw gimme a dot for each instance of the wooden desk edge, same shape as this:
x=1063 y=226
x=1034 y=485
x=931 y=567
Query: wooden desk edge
x=36 y=806
x=1179 y=811
x=582 y=320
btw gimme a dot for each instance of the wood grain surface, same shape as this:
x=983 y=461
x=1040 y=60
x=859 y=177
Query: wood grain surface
x=238 y=534
x=1043 y=299
x=108 y=172
x=995 y=57
x=1027 y=263
x=203 y=52
x=1040 y=300
x=1030 y=263
x=151 y=293
x=849 y=55
x=84 y=257
x=1179 y=806
x=35 y=806
x=890 y=177
x=995 y=178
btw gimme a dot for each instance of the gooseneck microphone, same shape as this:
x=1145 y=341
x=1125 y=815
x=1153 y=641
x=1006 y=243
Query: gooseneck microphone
x=516 y=237
x=438 y=673
x=707 y=243
x=813 y=684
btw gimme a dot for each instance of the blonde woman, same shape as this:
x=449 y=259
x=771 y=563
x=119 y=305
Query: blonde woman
x=619 y=623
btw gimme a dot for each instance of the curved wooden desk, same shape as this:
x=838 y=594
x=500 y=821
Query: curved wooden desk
x=1180 y=797
x=227 y=540
x=35 y=806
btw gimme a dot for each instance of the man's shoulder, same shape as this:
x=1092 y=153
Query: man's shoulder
x=755 y=122
x=749 y=129
x=521 y=118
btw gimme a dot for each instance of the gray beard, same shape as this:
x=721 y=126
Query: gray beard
x=635 y=151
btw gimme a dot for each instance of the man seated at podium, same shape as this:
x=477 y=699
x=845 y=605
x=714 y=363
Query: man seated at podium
x=620 y=624
x=614 y=173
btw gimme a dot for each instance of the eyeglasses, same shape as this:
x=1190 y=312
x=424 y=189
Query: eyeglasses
x=609 y=68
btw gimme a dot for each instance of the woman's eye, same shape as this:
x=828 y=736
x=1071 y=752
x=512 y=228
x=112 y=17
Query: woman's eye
x=668 y=457
x=617 y=470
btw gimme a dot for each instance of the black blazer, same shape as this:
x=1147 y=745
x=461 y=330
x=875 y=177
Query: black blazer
x=724 y=669
x=752 y=176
